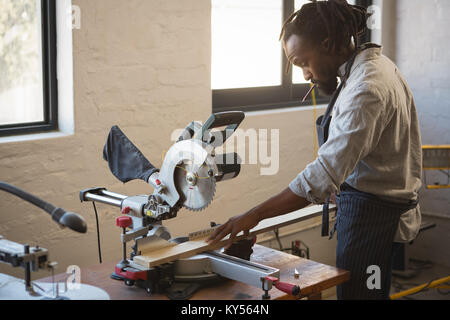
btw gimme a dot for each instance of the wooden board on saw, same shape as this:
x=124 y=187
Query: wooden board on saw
x=198 y=244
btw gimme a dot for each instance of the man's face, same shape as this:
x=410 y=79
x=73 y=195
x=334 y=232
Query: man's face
x=317 y=65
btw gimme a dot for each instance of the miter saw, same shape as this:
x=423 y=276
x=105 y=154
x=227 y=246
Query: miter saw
x=187 y=178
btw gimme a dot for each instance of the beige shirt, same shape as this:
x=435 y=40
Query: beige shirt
x=374 y=140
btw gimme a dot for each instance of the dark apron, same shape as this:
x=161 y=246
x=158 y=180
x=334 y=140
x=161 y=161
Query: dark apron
x=366 y=226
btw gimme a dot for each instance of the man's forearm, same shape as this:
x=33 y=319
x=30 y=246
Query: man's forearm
x=284 y=202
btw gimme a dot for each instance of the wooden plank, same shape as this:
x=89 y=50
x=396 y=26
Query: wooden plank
x=198 y=244
x=201 y=234
x=147 y=245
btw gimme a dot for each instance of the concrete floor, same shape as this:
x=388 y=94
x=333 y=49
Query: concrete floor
x=432 y=249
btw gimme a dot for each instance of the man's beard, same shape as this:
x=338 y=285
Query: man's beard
x=327 y=88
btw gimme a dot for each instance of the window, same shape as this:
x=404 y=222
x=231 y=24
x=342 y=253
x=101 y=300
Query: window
x=245 y=42
x=248 y=62
x=28 y=90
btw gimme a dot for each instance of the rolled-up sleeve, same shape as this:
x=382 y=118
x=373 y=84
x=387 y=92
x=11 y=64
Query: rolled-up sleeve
x=354 y=131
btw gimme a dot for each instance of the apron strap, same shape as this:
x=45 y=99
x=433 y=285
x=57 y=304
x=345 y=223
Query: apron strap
x=326 y=218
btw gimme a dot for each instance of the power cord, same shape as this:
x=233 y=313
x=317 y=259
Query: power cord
x=98 y=233
x=295 y=248
x=402 y=287
x=406 y=286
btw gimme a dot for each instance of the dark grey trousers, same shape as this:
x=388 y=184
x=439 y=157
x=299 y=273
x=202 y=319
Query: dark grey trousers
x=366 y=228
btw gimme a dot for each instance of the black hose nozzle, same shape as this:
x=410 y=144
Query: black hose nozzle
x=70 y=220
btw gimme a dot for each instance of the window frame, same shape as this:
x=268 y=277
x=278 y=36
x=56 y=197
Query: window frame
x=49 y=76
x=287 y=94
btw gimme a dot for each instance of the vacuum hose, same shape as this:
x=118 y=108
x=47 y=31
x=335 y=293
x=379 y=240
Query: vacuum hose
x=61 y=216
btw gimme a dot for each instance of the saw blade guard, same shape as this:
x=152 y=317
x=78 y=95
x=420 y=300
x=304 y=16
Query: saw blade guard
x=196 y=184
x=196 y=187
x=188 y=167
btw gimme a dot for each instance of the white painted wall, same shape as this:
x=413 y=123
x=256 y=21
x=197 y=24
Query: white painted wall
x=422 y=55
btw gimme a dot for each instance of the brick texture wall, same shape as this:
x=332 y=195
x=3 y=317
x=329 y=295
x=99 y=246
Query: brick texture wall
x=422 y=48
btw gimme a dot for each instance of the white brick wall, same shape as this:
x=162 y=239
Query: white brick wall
x=422 y=55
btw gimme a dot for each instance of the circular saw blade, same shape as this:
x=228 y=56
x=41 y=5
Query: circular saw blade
x=196 y=188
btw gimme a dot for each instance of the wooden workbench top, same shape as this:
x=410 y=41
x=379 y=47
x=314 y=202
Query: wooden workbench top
x=314 y=278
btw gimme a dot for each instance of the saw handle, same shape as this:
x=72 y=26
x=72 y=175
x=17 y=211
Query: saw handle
x=230 y=119
x=221 y=119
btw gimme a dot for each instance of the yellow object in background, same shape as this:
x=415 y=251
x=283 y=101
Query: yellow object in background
x=436 y=158
x=316 y=143
x=437 y=284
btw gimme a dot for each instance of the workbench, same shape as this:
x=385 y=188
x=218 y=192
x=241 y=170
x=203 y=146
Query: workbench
x=314 y=278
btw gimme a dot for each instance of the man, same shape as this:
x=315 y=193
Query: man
x=370 y=155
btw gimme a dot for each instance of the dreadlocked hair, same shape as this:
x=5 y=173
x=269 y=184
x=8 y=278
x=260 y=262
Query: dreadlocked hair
x=335 y=20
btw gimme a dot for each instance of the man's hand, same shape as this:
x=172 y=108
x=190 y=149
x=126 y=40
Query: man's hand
x=244 y=222
x=284 y=202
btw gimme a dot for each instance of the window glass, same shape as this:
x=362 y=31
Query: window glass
x=246 y=51
x=21 y=80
